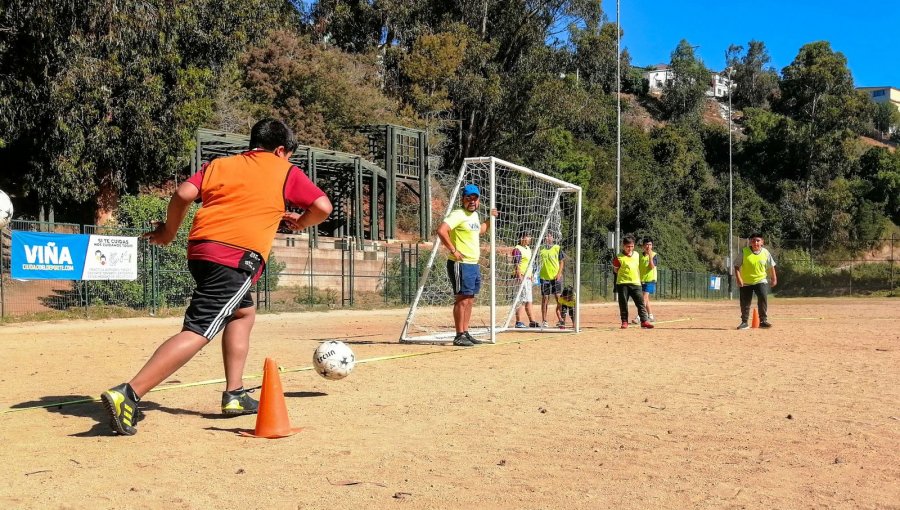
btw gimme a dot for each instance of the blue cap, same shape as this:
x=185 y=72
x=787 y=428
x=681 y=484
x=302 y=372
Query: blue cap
x=471 y=189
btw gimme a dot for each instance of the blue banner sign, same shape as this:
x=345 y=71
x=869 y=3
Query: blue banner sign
x=48 y=256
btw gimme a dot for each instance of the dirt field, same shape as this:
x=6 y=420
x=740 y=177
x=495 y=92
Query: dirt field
x=693 y=414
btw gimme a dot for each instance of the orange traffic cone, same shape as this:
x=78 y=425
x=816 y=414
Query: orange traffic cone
x=272 y=420
x=755 y=323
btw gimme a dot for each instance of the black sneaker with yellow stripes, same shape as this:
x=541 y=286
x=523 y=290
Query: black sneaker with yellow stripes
x=240 y=403
x=123 y=411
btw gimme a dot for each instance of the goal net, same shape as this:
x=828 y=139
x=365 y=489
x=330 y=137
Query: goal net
x=527 y=202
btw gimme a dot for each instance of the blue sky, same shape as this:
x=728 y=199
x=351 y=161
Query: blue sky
x=866 y=32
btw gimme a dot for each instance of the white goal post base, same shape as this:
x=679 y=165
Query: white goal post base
x=545 y=208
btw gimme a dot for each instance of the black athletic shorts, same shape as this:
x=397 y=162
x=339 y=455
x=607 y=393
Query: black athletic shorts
x=220 y=291
x=551 y=287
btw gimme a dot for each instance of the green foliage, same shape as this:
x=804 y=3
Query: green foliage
x=684 y=97
x=316 y=296
x=175 y=283
x=886 y=117
x=105 y=103
x=817 y=88
x=754 y=83
x=676 y=239
x=800 y=275
x=881 y=168
x=319 y=91
x=594 y=55
x=108 y=99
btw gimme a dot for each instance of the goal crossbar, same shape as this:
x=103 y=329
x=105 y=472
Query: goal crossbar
x=433 y=297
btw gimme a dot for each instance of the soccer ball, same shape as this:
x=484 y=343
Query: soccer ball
x=333 y=360
x=6 y=209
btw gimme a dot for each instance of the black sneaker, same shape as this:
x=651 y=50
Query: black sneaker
x=239 y=404
x=765 y=324
x=472 y=339
x=462 y=341
x=123 y=412
x=743 y=325
x=533 y=324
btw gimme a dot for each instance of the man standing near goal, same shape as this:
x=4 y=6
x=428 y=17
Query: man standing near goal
x=750 y=272
x=244 y=198
x=460 y=233
x=552 y=263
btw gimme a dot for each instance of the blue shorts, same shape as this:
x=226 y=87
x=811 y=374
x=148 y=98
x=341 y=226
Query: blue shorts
x=464 y=278
x=649 y=287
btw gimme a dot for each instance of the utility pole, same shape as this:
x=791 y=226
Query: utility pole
x=730 y=192
x=618 y=131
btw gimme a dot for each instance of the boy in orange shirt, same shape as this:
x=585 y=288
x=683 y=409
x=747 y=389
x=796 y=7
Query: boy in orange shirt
x=244 y=198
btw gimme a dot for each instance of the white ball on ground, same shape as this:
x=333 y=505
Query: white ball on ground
x=334 y=360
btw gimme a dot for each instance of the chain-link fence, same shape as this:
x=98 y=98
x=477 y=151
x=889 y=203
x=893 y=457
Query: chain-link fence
x=815 y=267
x=334 y=273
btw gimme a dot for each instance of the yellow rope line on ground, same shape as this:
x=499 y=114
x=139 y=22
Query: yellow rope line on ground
x=305 y=369
x=259 y=376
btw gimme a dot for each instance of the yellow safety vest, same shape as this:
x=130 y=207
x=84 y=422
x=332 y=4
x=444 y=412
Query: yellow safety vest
x=629 y=269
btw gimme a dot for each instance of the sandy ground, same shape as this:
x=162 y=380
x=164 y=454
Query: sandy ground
x=690 y=415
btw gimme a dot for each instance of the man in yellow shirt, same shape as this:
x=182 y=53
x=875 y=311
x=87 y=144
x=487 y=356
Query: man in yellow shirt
x=750 y=271
x=460 y=233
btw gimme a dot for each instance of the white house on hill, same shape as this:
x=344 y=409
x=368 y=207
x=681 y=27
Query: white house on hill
x=661 y=75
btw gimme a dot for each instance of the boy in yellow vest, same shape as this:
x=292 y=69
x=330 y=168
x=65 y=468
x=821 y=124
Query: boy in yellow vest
x=567 y=306
x=552 y=264
x=750 y=270
x=649 y=261
x=523 y=271
x=626 y=265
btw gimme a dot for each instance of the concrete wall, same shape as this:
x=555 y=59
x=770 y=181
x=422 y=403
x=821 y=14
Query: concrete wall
x=327 y=263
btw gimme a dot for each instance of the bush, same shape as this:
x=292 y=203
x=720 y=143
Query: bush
x=316 y=296
x=800 y=275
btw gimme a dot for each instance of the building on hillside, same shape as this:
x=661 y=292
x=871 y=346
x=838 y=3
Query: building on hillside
x=661 y=76
x=719 y=84
x=883 y=94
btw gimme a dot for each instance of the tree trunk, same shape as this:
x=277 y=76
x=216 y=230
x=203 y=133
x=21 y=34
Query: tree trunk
x=107 y=200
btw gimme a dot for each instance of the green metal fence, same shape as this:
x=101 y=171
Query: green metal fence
x=368 y=276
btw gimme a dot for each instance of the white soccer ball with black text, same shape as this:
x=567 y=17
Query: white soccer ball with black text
x=333 y=360
x=6 y=209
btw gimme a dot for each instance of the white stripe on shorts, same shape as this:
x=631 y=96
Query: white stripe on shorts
x=219 y=322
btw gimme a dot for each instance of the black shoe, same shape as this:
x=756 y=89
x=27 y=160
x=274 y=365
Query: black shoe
x=123 y=411
x=242 y=403
x=472 y=339
x=743 y=325
x=533 y=324
x=765 y=324
x=462 y=341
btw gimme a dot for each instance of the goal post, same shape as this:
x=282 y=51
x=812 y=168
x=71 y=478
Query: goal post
x=527 y=202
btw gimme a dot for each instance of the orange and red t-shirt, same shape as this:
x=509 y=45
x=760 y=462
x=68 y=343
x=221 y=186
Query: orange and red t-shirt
x=244 y=198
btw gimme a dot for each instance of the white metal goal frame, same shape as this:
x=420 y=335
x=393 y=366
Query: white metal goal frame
x=560 y=190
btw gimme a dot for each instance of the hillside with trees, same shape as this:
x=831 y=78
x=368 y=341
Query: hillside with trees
x=99 y=100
